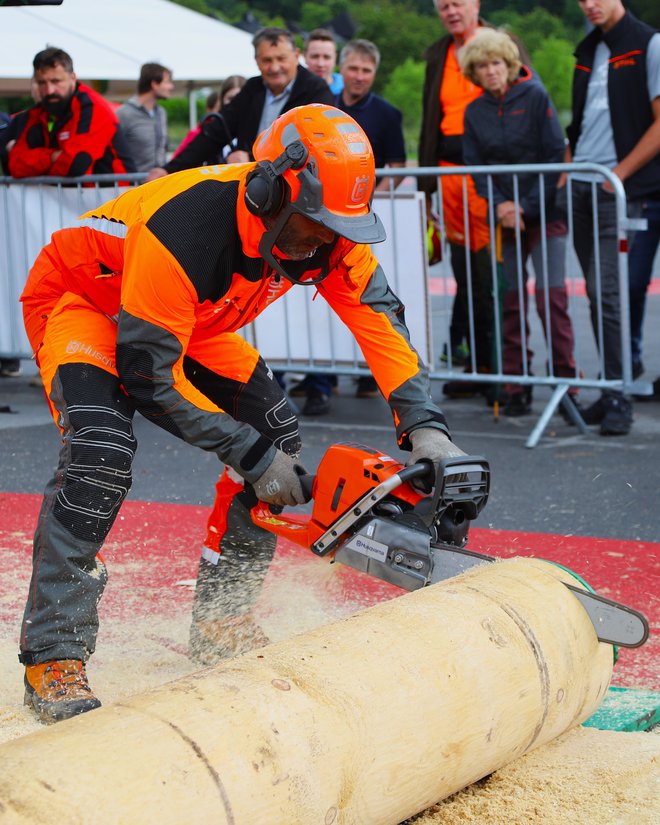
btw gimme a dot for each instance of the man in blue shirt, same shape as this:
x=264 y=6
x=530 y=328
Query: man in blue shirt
x=358 y=64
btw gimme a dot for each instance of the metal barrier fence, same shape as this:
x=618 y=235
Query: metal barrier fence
x=26 y=222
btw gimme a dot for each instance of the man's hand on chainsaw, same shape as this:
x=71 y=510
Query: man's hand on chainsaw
x=280 y=483
x=432 y=445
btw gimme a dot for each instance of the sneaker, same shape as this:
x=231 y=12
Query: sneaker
x=213 y=640
x=10 y=368
x=460 y=355
x=595 y=412
x=317 y=403
x=58 y=690
x=367 y=387
x=618 y=416
x=519 y=403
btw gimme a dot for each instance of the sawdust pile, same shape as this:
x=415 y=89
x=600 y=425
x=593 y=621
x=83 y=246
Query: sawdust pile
x=585 y=777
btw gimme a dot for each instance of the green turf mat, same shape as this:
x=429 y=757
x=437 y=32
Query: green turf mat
x=627 y=709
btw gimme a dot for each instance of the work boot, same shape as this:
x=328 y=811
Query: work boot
x=614 y=413
x=58 y=690
x=213 y=640
x=595 y=412
x=618 y=415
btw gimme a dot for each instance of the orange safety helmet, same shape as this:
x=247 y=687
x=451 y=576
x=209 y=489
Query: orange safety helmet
x=317 y=161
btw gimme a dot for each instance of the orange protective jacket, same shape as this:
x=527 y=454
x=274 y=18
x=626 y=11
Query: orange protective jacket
x=86 y=134
x=176 y=262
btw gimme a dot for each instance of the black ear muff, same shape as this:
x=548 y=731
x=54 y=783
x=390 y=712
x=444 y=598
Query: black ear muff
x=264 y=190
x=264 y=186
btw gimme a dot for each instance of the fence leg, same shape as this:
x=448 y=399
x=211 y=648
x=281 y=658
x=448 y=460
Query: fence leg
x=558 y=397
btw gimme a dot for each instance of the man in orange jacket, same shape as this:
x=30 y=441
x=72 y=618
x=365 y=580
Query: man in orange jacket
x=138 y=308
x=71 y=131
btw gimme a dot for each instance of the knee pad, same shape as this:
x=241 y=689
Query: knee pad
x=98 y=453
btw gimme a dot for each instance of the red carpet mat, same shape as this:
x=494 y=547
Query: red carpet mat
x=153 y=549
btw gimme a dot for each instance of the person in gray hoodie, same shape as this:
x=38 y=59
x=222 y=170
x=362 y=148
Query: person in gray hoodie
x=143 y=121
x=514 y=121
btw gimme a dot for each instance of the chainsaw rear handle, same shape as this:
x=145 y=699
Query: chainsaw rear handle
x=423 y=468
x=307 y=483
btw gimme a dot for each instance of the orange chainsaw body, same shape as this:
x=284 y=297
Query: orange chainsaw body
x=346 y=473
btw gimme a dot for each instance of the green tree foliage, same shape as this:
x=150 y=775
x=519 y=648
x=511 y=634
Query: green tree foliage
x=646 y=10
x=553 y=60
x=534 y=28
x=403 y=90
x=313 y=16
x=200 y=6
x=408 y=34
x=403 y=29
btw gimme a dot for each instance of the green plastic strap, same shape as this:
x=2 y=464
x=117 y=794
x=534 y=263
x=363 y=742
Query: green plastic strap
x=588 y=587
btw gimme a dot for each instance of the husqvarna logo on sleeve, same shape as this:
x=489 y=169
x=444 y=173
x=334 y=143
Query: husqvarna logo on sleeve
x=360 y=189
x=82 y=348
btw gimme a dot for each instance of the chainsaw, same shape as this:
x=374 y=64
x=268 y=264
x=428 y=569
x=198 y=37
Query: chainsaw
x=368 y=515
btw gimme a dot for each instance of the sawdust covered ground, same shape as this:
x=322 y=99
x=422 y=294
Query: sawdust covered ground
x=586 y=777
x=139 y=648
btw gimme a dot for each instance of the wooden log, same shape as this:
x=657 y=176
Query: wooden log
x=368 y=720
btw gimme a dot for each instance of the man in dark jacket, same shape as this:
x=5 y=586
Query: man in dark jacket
x=616 y=123
x=282 y=85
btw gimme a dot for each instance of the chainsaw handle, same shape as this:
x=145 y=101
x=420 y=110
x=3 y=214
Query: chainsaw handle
x=307 y=483
x=422 y=468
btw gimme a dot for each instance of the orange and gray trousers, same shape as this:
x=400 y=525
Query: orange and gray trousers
x=81 y=501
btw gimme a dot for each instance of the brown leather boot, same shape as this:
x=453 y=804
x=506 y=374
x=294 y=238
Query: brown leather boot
x=58 y=690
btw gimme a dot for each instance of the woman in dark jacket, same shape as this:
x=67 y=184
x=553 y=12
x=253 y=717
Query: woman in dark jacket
x=514 y=121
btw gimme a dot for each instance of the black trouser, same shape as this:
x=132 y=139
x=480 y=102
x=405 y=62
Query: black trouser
x=92 y=480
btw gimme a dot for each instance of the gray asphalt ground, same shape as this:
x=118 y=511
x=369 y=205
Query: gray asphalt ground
x=570 y=484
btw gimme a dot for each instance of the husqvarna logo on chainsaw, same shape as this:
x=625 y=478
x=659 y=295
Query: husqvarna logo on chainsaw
x=360 y=188
x=368 y=547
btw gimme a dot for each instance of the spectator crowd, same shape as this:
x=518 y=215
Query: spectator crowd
x=482 y=104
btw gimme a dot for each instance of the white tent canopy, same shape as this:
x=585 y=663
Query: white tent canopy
x=110 y=39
